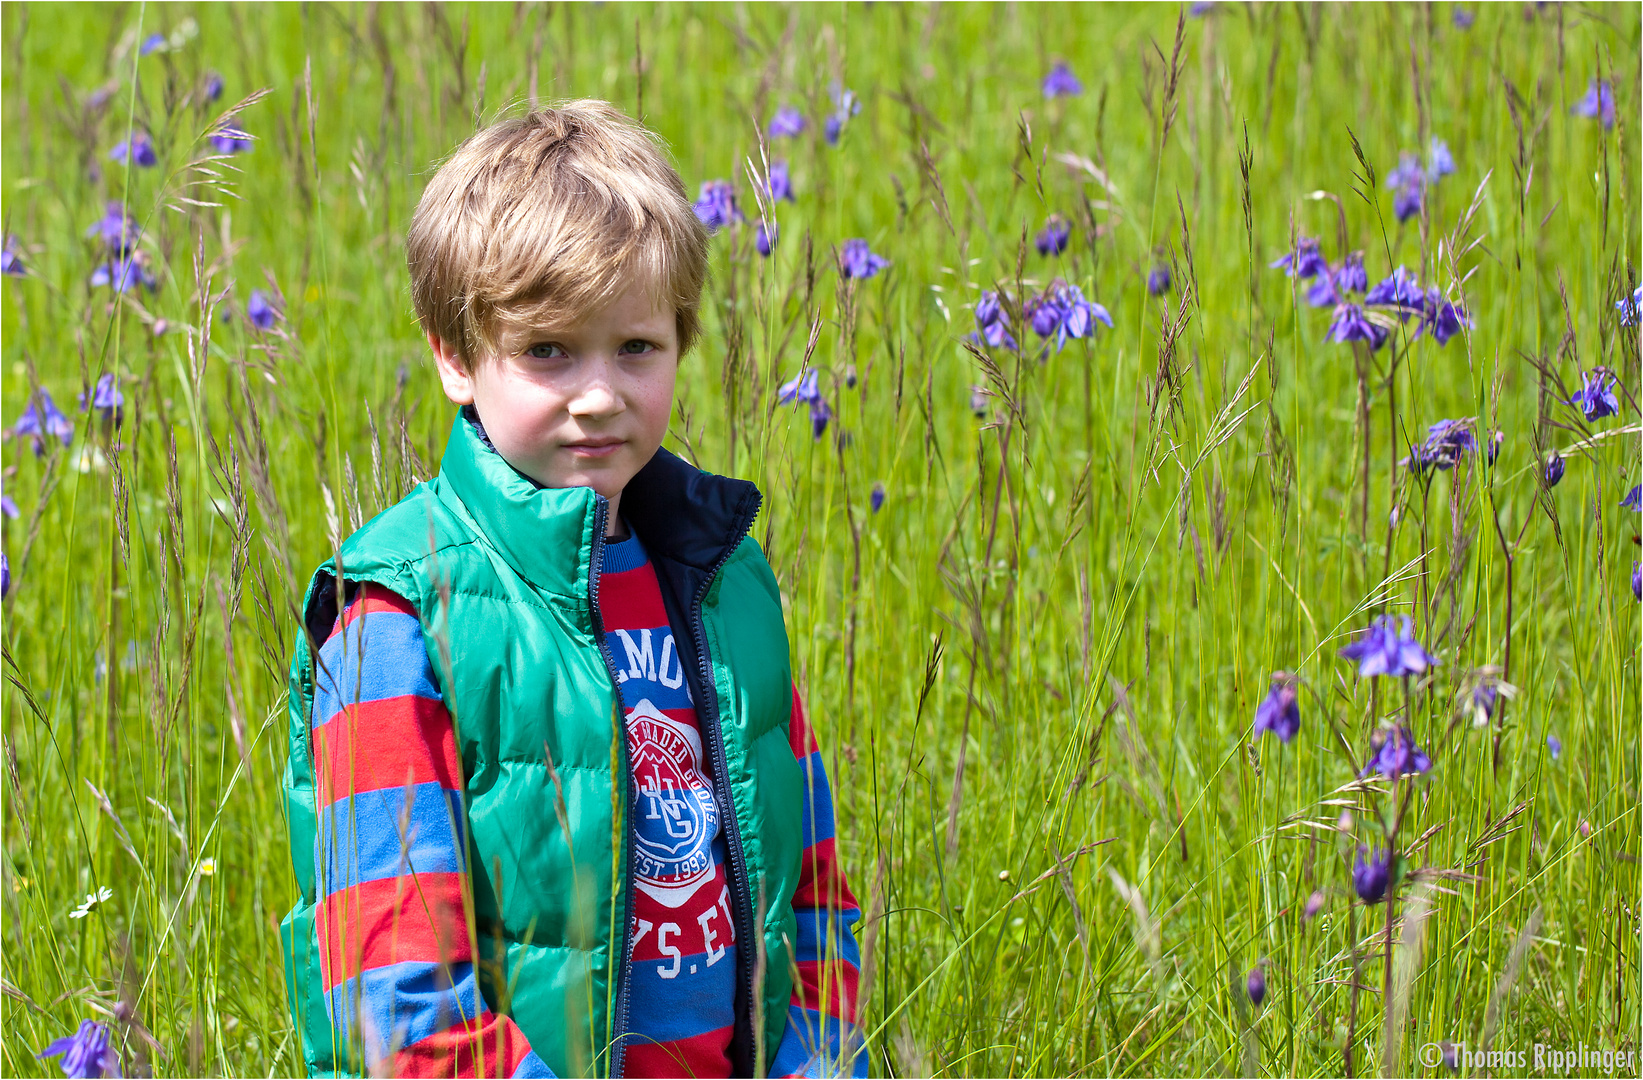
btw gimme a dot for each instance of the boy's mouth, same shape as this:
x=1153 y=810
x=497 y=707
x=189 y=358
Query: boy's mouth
x=595 y=448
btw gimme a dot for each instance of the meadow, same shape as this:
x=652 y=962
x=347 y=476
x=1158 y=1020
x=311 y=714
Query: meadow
x=1040 y=570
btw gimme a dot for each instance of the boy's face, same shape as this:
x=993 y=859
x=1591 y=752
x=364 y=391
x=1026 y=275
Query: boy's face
x=584 y=405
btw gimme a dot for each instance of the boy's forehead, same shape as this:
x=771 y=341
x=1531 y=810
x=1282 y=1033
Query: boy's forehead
x=641 y=301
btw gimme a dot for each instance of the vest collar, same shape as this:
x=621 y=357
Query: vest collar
x=681 y=513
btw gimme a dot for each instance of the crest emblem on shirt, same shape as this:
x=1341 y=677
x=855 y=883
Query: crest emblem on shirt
x=675 y=816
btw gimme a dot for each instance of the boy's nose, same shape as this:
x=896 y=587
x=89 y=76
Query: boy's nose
x=596 y=398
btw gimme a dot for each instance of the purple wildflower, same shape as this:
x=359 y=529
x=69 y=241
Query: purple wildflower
x=261 y=310
x=717 y=205
x=1279 y=713
x=764 y=238
x=230 y=139
x=1393 y=753
x=1304 y=262
x=992 y=323
x=1408 y=181
x=1351 y=324
x=1637 y=580
x=1199 y=8
x=138 y=150
x=1628 y=306
x=1633 y=499
x=1314 y=904
x=781 y=185
x=8 y=507
x=820 y=414
x=117 y=229
x=978 y=401
x=1463 y=19
x=1555 y=745
x=1387 y=649
x=845 y=105
x=804 y=387
x=857 y=261
x=1598 y=104
x=876 y=499
x=1398 y=289
x=1596 y=398
x=1061 y=82
x=1439 y=162
x=11 y=264
x=1444 y=319
x=1256 y=985
x=1484 y=697
x=86 y=1053
x=212 y=88
x=153 y=43
x=5 y=575
x=1062 y=312
x=123 y=275
x=1158 y=282
x=1491 y=450
x=786 y=124
x=1371 y=876
x=1554 y=469
x=41 y=418
x=1447 y=441
x=105 y=397
x=1351 y=275
x=1055 y=237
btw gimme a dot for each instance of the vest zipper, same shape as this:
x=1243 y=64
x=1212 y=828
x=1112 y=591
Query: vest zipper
x=623 y=966
x=740 y=887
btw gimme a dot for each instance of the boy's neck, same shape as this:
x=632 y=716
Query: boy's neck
x=616 y=529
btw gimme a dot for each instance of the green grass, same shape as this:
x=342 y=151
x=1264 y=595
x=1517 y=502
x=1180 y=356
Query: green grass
x=1078 y=601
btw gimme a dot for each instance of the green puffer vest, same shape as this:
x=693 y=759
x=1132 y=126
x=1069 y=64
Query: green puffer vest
x=503 y=575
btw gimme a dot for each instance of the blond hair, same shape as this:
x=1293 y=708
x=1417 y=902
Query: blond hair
x=543 y=217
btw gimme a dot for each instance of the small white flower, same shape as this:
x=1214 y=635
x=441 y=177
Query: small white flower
x=92 y=901
x=208 y=867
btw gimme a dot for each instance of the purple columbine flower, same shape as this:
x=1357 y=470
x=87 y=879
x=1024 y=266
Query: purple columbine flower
x=1256 y=985
x=1314 y=904
x=781 y=184
x=1199 y=8
x=1633 y=499
x=5 y=576
x=1485 y=696
x=123 y=275
x=231 y=139
x=876 y=499
x=1372 y=875
x=978 y=401
x=717 y=205
x=1062 y=313
x=1439 y=162
x=804 y=387
x=764 y=238
x=8 y=507
x=1444 y=319
x=1555 y=745
x=1463 y=19
x=1637 y=580
x=1628 y=306
x=1596 y=398
x=117 y=229
x=139 y=150
x=86 y=1053
x=1393 y=753
x=1306 y=261
x=992 y=323
x=105 y=397
x=788 y=123
x=1351 y=276
x=857 y=261
x=1061 y=82
x=151 y=44
x=1388 y=649
x=1447 y=441
x=1351 y=324
x=11 y=264
x=1400 y=290
x=42 y=418
x=820 y=414
x=1408 y=182
x=1280 y=713
x=261 y=310
x=1158 y=282
x=845 y=105
x=1598 y=104
x=1055 y=237
x=211 y=90
x=1554 y=469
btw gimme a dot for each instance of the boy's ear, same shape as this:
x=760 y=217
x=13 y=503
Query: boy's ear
x=453 y=376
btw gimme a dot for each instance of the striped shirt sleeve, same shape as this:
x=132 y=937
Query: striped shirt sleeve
x=821 y=1017
x=390 y=857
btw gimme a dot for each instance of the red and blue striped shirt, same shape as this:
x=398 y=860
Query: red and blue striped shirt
x=397 y=959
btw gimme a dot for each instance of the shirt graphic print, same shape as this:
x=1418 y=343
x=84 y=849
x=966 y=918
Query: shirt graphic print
x=682 y=1004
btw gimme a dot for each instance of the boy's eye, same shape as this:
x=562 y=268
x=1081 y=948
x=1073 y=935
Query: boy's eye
x=545 y=350
x=635 y=347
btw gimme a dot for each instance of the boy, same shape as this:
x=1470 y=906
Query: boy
x=553 y=805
